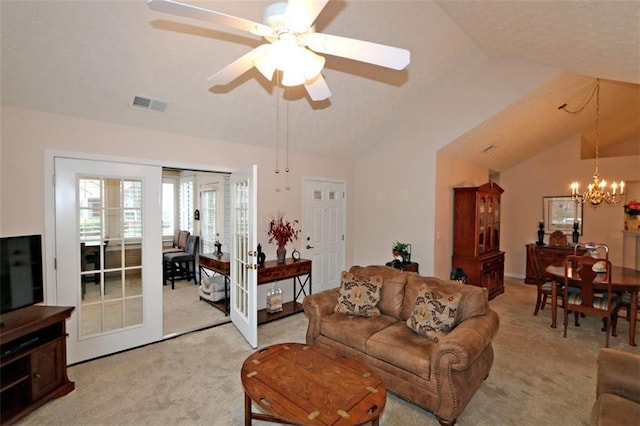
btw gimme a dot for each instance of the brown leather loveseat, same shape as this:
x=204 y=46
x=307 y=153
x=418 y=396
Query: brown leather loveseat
x=441 y=377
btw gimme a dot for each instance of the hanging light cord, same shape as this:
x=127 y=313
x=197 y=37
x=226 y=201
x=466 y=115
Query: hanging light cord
x=596 y=88
x=596 y=92
x=277 y=119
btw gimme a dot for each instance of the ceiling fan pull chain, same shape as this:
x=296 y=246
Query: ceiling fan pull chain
x=286 y=98
x=275 y=90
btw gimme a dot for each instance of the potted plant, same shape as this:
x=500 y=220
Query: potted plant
x=401 y=251
x=281 y=232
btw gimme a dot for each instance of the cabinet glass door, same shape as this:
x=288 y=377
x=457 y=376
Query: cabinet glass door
x=496 y=225
x=481 y=225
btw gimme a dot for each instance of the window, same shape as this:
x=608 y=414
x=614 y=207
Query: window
x=208 y=218
x=186 y=204
x=168 y=207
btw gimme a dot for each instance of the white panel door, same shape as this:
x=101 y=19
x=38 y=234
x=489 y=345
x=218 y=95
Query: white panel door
x=108 y=251
x=244 y=272
x=323 y=242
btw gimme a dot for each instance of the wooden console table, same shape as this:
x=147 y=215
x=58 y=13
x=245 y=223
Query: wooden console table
x=33 y=359
x=274 y=271
x=270 y=272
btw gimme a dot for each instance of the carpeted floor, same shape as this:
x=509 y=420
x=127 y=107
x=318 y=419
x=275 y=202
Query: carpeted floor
x=538 y=378
x=183 y=311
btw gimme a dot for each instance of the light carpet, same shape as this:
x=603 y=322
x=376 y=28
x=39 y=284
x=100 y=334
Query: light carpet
x=538 y=378
x=183 y=310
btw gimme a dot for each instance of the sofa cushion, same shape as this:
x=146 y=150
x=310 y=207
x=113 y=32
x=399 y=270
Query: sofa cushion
x=414 y=355
x=434 y=313
x=359 y=295
x=354 y=331
x=393 y=282
x=474 y=300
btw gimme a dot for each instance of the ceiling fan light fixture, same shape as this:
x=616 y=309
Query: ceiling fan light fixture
x=265 y=65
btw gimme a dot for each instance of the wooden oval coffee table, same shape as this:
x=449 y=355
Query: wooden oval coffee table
x=309 y=385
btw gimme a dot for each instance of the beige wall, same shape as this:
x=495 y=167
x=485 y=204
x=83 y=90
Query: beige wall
x=549 y=174
x=27 y=134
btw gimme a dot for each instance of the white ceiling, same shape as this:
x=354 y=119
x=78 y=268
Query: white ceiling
x=89 y=59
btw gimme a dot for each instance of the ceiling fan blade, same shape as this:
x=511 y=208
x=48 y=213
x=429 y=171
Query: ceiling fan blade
x=238 y=67
x=317 y=88
x=300 y=14
x=364 y=51
x=195 y=12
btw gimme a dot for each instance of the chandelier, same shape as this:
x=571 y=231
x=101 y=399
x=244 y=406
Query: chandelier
x=597 y=191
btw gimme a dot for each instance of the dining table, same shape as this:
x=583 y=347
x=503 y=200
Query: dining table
x=622 y=280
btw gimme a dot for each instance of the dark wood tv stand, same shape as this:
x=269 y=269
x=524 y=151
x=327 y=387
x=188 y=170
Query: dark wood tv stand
x=33 y=359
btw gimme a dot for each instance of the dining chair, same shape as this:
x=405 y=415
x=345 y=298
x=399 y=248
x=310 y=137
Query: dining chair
x=595 y=296
x=542 y=280
x=597 y=250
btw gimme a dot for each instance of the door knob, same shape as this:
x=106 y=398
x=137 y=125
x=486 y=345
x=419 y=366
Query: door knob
x=309 y=247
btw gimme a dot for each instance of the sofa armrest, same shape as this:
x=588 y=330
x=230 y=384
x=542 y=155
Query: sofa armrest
x=315 y=307
x=467 y=341
x=618 y=374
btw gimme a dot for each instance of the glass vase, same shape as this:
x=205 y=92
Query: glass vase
x=282 y=254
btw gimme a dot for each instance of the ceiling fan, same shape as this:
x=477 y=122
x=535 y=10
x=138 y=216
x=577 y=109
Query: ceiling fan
x=293 y=44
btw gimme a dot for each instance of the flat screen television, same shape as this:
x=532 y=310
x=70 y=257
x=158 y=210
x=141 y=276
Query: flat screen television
x=21 y=272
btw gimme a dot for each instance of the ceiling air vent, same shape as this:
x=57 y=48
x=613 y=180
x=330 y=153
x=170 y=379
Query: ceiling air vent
x=146 y=103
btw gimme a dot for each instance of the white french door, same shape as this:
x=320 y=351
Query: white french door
x=108 y=234
x=323 y=217
x=244 y=272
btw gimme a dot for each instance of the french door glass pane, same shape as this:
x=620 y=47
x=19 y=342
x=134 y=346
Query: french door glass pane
x=110 y=229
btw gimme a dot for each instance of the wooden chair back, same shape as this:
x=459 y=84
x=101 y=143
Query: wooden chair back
x=597 y=250
x=595 y=298
x=540 y=275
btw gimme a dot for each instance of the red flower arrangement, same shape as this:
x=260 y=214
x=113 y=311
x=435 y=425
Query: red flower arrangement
x=632 y=208
x=281 y=231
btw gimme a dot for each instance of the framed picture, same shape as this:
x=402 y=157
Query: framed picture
x=560 y=213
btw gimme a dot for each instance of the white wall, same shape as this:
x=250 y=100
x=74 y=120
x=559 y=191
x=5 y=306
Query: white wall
x=27 y=134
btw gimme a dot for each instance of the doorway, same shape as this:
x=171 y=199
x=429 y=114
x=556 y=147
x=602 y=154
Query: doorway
x=195 y=201
x=323 y=218
x=63 y=255
x=106 y=249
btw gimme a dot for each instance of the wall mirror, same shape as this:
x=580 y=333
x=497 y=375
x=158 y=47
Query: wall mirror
x=560 y=213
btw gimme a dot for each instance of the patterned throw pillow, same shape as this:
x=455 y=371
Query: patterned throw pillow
x=359 y=295
x=434 y=314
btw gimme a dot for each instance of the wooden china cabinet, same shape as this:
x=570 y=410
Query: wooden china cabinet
x=476 y=236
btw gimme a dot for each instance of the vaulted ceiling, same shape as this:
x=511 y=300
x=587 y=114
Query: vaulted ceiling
x=90 y=59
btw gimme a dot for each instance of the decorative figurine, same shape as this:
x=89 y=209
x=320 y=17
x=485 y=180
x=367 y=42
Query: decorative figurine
x=261 y=256
x=575 y=235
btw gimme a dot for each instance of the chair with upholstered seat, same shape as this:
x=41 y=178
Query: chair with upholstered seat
x=182 y=265
x=179 y=243
x=595 y=296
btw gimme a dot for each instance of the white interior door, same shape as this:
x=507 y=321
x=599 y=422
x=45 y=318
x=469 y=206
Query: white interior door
x=108 y=253
x=323 y=213
x=244 y=272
